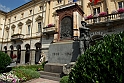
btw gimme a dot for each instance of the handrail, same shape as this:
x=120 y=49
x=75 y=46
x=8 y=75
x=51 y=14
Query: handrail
x=108 y=17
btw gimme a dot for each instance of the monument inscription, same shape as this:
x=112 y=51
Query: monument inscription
x=63 y=53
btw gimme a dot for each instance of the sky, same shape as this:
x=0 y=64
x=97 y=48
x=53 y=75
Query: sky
x=8 y=5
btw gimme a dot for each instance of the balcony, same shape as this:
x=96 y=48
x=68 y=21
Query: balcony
x=49 y=30
x=103 y=20
x=17 y=37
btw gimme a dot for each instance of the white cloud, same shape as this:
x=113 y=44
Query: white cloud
x=4 y=8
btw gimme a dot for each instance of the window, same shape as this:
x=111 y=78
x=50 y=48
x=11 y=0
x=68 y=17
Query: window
x=15 y=18
x=39 y=26
x=59 y=1
x=22 y=15
x=8 y=20
x=29 y=27
x=30 y=11
x=12 y=30
x=96 y=10
x=121 y=4
x=40 y=8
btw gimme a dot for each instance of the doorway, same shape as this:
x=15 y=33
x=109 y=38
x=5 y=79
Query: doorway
x=27 y=53
x=18 y=53
x=37 y=52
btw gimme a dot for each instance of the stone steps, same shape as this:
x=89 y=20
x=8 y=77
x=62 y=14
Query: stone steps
x=50 y=76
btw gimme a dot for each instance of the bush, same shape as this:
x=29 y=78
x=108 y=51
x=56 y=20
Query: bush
x=102 y=63
x=64 y=79
x=26 y=74
x=5 y=60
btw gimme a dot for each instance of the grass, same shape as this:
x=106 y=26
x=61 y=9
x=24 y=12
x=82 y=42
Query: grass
x=27 y=72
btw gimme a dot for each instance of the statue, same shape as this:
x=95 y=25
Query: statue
x=84 y=37
x=42 y=59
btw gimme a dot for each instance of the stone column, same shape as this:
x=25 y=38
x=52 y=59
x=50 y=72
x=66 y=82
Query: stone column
x=56 y=26
x=22 y=57
x=32 y=57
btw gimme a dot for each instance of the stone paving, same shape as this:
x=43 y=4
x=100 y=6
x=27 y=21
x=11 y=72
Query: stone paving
x=42 y=80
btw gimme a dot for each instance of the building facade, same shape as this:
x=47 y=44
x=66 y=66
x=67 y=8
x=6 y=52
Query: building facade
x=29 y=29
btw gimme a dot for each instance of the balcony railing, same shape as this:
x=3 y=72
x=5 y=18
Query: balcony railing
x=106 y=18
x=17 y=37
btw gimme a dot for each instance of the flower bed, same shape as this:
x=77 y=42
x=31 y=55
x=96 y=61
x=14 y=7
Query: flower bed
x=9 y=78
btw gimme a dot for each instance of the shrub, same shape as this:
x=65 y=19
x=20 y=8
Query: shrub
x=5 y=60
x=101 y=63
x=26 y=74
x=64 y=79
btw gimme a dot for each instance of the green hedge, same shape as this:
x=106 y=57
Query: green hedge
x=102 y=63
x=5 y=60
x=64 y=79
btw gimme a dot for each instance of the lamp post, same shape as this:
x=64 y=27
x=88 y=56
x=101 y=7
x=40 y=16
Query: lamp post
x=84 y=37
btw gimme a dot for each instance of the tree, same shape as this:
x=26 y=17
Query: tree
x=5 y=60
x=101 y=63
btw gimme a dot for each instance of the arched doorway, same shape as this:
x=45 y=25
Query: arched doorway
x=27 y=53
x=37 y=52
x=66 y=28
x=5 y=48
x=11 y=52
x=18 y=53
x=95 y=38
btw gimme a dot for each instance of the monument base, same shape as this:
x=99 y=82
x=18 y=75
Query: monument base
x=53 y=67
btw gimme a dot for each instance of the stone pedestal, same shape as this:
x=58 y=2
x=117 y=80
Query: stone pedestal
x=63 y=52
x=60 y=54
x=54 y=67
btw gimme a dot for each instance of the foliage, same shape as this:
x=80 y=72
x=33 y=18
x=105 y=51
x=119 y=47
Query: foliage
x=26 y=74
x=64 y=79
x=5 y=60
x=101 y=63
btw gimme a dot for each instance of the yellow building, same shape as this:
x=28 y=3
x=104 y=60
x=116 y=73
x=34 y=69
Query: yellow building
x=31 y=28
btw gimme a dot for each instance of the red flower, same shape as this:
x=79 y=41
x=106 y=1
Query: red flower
x=13 y=56
x=51 y=25
x=95 y=1
x=120 y=10
x=90 y=16
x=102 y=14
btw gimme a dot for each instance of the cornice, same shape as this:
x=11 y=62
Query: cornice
x=24 y=7
x=3 y=13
